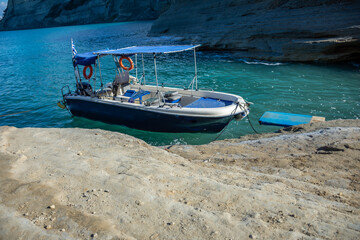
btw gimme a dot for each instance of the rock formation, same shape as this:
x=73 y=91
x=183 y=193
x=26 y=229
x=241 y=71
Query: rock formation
x=278 y=30
x=24 y=14
x=301 y=183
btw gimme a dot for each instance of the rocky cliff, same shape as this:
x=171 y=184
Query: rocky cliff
x=280 y=30
x=24 y=14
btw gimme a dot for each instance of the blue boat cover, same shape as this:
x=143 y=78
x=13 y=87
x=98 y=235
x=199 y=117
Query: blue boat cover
x=85 y=59
x=208 y=103
x=283 y=119
x=128 y=51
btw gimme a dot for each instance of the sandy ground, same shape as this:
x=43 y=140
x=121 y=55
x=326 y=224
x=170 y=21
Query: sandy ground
x=301 y=183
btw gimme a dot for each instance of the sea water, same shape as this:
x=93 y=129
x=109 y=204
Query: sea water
x=36 y=64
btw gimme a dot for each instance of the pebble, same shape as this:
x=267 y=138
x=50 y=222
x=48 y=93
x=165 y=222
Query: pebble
x=47 y=226
x=106 y=190
x=170 y=223
x=251 y=236
x=79 y=153
x=154 y=236
x=93 y=212
x=62 y=230
x=93 y=235
x=137 y=202
x=25 y=214
x=51 y=206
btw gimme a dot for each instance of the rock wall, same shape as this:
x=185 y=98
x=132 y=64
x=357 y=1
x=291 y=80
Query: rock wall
x=24 y=14
x=279 y=30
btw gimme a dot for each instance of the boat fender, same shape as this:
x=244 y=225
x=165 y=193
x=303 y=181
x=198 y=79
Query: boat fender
x=61 y=104
x=122 y=65
x=84 y=72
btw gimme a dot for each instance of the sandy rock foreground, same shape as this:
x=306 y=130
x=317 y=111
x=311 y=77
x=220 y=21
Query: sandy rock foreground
x=302 y=183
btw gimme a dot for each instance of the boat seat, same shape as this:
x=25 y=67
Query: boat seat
x=172 y=97
x=129 y=93
x=170 y=93
x=139 y=96
x=151 y=101
x=122 y=77
x=104 y=92
x=121 y=82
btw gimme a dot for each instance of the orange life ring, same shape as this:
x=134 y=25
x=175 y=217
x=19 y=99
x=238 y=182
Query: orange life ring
x=122 y=65
x=84 y=72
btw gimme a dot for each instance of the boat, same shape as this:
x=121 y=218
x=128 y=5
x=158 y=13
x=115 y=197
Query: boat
x=137 y=103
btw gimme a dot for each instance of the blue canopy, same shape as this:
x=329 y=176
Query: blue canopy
x=89 y=58
x=85 y=59
x=147 y=50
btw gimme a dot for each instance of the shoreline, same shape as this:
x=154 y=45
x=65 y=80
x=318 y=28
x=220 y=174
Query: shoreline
x=301 y=182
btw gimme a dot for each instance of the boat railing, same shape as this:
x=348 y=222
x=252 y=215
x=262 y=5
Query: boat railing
x=206 y=89
x=68 y=89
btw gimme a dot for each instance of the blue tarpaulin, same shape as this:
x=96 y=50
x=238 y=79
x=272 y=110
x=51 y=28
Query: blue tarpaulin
x=89 y=58
x=208 y=103
x=147 y=50
x=85 y=59
x=284 y=119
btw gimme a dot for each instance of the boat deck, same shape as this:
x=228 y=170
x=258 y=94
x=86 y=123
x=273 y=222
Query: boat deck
x=174 y=98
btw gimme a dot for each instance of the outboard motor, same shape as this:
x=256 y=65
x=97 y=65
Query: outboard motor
x=84 y=88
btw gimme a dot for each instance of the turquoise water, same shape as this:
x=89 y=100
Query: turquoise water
x=35 y=64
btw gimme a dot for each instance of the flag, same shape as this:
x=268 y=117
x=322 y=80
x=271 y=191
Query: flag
x=74 y=52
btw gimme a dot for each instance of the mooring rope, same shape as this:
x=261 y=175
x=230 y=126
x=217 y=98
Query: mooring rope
x=232 y=117
x=249 y=119
x=251 y=124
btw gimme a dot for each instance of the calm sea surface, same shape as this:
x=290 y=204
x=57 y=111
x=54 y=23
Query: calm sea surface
x=35 y=64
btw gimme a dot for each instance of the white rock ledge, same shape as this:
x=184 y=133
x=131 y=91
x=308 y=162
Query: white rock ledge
x=300 y=183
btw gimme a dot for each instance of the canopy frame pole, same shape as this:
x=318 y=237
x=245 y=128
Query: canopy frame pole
x=76 y=77
x=116 y=61
x=143 y=66
x=77 y=67
x=136 y=70
x=101 y=82
x=196 y=79
x=95 y=76
x=156 y=78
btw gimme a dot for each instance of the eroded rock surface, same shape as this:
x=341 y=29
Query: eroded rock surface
x=301 y=183
x=277 y=30
x=24 y=14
